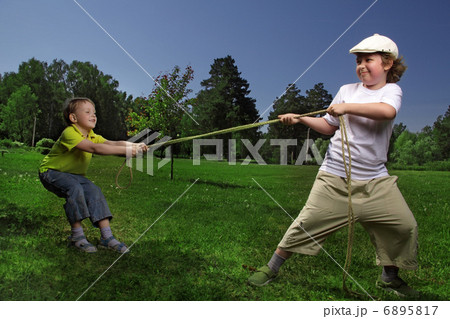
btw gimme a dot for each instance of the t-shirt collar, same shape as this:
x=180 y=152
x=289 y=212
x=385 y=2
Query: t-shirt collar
x=91 y=134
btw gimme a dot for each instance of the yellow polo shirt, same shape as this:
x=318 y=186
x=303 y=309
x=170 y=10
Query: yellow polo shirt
x=65 y=157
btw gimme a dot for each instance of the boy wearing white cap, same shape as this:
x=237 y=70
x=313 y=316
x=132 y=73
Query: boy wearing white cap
x=369 y=108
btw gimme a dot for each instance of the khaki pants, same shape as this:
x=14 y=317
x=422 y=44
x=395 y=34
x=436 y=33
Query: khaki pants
x=377 y=204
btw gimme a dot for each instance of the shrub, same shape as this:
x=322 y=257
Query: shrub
x=429 y=166
x=17 y=144
x=45 y=142
x=438 y=165
x=7 y=143
x=44 y=145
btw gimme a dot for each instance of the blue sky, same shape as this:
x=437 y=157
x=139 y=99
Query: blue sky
x=273 y=42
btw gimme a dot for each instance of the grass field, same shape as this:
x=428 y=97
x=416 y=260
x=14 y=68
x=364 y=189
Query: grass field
x=202 y=246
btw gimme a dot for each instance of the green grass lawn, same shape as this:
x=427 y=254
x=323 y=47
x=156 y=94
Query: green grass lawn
x=203 y=246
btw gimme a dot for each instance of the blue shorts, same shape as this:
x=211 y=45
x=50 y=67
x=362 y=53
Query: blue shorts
x=84 y=199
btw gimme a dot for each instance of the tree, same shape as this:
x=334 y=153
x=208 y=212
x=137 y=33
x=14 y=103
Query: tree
x=52 y=100
x=322 y=146
x=414 y=148
x=164 y=108
x=293 y=102
x=47 y=83
x=429 y=145
x=187 y=128
x=441 y=135
x=17 y=117
x=403 y=148
x=8 y=85
x=224 y=102
x=425 y=148
x=85 y=79
x=317 y=98
x=53 y=83
x=33 y=74
x=396 y=131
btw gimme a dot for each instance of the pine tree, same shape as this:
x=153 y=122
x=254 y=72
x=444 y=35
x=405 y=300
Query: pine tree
x=224 y=102
x=293 y=102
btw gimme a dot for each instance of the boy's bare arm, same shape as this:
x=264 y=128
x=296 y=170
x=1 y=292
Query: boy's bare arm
x=111 y=147
x=142 y=146
x=374 y=111
x=118 y=143
x=318 y=124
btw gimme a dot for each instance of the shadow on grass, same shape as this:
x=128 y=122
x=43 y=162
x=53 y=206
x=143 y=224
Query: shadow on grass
x=153 y=270
x=218 y=184
x=15 y=219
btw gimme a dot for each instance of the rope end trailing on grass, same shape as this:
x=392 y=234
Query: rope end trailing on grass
x=118 y=174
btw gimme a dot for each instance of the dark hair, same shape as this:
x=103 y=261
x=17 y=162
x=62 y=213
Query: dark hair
x=70 y=106
x=397 y=69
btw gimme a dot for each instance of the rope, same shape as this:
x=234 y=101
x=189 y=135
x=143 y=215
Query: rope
x=351 y=222
x=189 y=138
x=118 y=174
x=229 y=130
x=350 y=215
x=347 y=167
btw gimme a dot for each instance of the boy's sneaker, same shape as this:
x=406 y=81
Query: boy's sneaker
x=399 y=287
x=262 y=276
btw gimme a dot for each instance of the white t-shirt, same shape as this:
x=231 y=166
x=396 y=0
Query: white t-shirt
x=368 y=139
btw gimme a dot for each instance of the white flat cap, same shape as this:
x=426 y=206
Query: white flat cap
x=376 y=43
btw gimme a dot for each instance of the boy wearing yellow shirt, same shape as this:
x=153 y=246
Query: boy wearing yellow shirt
x=63 y=172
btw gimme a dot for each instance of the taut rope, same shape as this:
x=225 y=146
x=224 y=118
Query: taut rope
x=189 y=138
x=230 y=130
